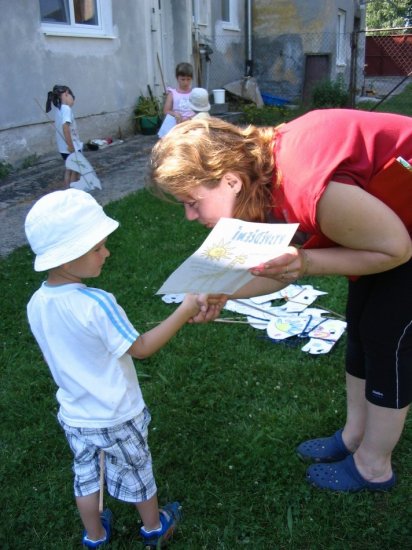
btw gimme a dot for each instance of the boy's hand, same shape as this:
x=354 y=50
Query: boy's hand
x=191 y=304
x=210 y=307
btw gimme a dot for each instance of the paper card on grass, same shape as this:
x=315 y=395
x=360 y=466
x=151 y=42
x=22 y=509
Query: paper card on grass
x=285 y=327
x=221 y=264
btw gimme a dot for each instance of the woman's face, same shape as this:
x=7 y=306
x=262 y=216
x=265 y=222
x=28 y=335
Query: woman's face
x=207 y=205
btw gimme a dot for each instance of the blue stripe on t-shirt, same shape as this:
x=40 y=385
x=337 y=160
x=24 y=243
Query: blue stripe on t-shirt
x=110 y=308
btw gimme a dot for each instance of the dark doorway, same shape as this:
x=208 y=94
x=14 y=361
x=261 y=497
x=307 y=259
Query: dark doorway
x=317 y=68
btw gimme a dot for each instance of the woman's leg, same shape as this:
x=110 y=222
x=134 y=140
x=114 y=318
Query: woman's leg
x=383 y=429
x=356 y=410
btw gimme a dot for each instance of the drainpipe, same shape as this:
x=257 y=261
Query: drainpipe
x=249 y=60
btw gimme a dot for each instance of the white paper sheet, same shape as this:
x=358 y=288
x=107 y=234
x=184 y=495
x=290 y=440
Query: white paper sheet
x=168 y=123
x=88 y=179
x=221 y=263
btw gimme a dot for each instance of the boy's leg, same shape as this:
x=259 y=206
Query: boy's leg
x=149 y=513
x=70 y=176
x=88 y=507
x=169 y=516
x=86 y=482
x=74 y=176
x=67 y=178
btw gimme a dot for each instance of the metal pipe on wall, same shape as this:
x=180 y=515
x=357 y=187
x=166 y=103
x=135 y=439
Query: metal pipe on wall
x=249 y=32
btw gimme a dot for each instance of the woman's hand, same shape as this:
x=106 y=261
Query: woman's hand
x=285 y=268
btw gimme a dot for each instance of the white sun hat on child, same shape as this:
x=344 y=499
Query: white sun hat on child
x=64 y=225
x=199 y=100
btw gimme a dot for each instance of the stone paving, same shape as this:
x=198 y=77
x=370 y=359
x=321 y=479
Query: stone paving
x=121 y=168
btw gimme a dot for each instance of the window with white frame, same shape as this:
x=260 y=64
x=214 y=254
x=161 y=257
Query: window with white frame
x=201 y=11
x=230 y=14
x=341 y=38
x=76 y=17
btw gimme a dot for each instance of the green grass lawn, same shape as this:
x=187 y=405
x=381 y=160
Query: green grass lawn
x=396 y=103
x=228 y=410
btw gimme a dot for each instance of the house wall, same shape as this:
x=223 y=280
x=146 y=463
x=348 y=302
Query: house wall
x=229 y=45
x=285 y=31
x=180 y=36
x=106 y=75
x=225 y=59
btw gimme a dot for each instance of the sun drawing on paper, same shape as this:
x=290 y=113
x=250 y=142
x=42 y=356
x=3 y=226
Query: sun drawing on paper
x=219 y=251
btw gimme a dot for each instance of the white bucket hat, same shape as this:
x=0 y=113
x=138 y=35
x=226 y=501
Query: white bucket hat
x=199 y=100
x=64 y=225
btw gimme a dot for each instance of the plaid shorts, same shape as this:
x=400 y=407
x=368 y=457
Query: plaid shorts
x=128 y=462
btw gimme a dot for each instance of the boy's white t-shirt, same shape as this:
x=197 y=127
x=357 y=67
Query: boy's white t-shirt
x=61 y=116
x=84 y=335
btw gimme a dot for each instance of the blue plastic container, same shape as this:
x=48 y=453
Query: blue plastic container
x=269 y=99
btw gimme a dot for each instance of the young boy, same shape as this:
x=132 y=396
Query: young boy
x=88 y=344
x=199 y=103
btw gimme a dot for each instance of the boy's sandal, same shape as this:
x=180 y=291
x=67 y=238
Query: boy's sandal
x=169 y=516
x=344 y=476
x=106 y=519
x=324 y=449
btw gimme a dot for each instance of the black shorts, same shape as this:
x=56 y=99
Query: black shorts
x=65 y=155
x=379 y=316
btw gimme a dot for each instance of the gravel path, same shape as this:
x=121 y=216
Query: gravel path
x=121 y=168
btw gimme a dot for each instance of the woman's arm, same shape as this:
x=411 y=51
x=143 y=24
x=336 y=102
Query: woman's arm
x=371 y=236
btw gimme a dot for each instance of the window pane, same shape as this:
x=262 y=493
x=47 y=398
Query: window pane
x=54 y=11
x=85 y=12
x=226 y=10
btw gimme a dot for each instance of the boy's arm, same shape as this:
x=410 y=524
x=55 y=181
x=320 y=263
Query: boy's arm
x=68 y=136
x=151 y=341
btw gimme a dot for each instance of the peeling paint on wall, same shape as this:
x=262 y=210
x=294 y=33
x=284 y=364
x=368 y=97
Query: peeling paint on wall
x=285 y=32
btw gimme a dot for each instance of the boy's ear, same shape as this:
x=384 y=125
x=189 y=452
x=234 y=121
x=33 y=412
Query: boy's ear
x=233 y=181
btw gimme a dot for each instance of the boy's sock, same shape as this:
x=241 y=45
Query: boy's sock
x=99 y=541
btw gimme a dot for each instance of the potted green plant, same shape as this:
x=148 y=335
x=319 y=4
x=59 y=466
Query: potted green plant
x=147 y=115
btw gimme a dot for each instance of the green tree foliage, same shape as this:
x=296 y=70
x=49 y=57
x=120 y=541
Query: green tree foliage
x=383 y=14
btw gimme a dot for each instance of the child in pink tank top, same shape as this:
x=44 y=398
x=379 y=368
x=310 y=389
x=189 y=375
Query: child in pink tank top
x=177 y=100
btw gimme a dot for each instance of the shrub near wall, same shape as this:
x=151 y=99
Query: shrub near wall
x=329 y=94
